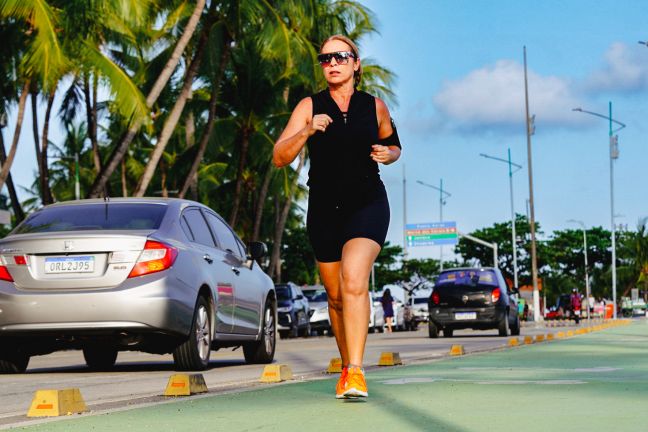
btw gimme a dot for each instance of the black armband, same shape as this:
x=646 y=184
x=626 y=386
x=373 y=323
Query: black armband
x=391 y=140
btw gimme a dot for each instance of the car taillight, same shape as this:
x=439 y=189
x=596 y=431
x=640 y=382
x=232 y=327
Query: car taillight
x=154 y=258
x=436 y=298
x=495 y=295
x=4 y=274
x=20 y=260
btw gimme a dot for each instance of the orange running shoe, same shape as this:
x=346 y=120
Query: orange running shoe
x=356 y=386
x=339 y=387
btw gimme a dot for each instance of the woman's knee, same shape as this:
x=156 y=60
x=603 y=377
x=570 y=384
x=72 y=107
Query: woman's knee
x=354 y=284
x=335 y=302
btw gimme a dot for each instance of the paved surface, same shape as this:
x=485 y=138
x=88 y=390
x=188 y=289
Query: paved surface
x=140 y=378
x=592 y=382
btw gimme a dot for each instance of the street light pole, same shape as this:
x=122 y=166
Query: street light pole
x=614 y=154
x=443 y=194
x=534 y=258
x=513 y=234
x=587 y=285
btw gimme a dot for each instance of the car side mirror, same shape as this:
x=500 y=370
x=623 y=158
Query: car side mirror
x=257 y=250
x=299 y=297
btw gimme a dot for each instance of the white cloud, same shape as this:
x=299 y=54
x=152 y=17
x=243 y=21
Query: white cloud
x=493 y=96
x=625 y=69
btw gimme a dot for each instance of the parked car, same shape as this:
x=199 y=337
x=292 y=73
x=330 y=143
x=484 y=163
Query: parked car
x=475 y=298
x=416 y=312
x=320 y=321
x=132 y=274
x=293 y=311
x=376 y=316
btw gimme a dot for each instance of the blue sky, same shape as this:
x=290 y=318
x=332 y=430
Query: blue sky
x=461 y=92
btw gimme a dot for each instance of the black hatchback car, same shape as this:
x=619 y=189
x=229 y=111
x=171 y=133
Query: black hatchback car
x=472 y=298
x=293 y=311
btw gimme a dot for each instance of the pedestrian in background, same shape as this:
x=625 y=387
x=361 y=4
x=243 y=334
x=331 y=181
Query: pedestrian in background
x=348 y=133
x=387 y=302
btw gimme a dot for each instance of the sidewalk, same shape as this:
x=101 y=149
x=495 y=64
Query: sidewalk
x=592 y=382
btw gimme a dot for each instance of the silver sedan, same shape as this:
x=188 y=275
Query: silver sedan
x=154 y=275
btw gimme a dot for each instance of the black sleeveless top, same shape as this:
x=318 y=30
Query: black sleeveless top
x=340 y=164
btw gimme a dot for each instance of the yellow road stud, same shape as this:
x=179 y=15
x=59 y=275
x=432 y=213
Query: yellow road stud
x=560 y=335
x=528 y=340
x=457 y=350
x=540 y=338
x=389 y=359
x=513 y=342
x=185 y=385
x=550 y=336
x=276 y=373
x=335 y=365
x=52 y=403
x=570 y=333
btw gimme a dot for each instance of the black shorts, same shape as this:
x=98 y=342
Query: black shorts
x=331 y=223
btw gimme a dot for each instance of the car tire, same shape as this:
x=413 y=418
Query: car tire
x=100 y=358
x=503 y=327
x=263 y=350
x=283 y=334
x=14 y=363
x=305 y=331
x=515 y=330
x=448 y=333
x=433 y=330
x=193 y=354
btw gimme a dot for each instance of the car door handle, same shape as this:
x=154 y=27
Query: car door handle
x=236 y=271
x=208 y=258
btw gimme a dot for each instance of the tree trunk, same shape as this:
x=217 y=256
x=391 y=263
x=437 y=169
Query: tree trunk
x=123 y=178
x=6 y=167
x=15 y=203
x=263 y=193
x=34 y=108
x=283 y=218
x=46 y=193
x=91 y=120
x=238 y=188
x=174 y=116
x=120 y=150
x=211 y=119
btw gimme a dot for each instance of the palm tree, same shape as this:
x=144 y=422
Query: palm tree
x=120 y=150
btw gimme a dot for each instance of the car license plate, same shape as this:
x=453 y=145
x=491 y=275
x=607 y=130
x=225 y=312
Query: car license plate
x=466 y=315
x=74 y=264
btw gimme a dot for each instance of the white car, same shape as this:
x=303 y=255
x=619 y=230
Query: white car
x=398 y=323
x=376 y=316
x=320 y=322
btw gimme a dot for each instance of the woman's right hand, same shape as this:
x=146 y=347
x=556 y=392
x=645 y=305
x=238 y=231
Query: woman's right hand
x=319 y=123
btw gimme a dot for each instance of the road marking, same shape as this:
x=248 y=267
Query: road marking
x=598 y=369
x=424 y=380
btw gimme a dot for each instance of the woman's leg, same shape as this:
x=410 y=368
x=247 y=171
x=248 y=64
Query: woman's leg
x=330 y=274
x=358 y=256
x=389 y=324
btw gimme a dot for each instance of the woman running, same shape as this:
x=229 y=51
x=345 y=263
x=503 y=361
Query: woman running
x=348 y=132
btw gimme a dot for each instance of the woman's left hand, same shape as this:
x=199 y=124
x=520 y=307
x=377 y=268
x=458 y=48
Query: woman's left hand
x=382 y=154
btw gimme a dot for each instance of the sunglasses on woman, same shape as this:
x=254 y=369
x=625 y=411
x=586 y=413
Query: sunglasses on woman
x=341 y=58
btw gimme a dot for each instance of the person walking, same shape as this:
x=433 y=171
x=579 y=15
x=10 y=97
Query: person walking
x=388 y=308
x=347 y=132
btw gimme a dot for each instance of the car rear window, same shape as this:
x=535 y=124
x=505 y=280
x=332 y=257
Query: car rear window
x=100 y=216
x=316 y=295
x=468 y=278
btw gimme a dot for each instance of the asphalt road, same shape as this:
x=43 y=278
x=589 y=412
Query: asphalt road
x=140 y=378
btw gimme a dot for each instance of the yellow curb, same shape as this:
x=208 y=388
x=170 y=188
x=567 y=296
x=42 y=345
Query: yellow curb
x=457 y=350
x=513 y=342
x=389 y=359
x=539 y=338
x=335 y=365
x=276 y=373
x=54 y=403
x=528 y=340
x=560 y=335
x=185 y=385
x=550 y=336
x=570 y=333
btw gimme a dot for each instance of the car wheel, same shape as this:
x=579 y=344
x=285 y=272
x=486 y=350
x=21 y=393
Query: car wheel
x=503 y=327
x=305 y=331
x=193 y=354
x=100 y=358
x=283 y=334
x=515 y=330
x=447 y=333
x=433 y=330
x=13 y=363
x=263 y=350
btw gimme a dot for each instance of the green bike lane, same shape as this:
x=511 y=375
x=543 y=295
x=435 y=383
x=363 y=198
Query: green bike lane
x=592 y=382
